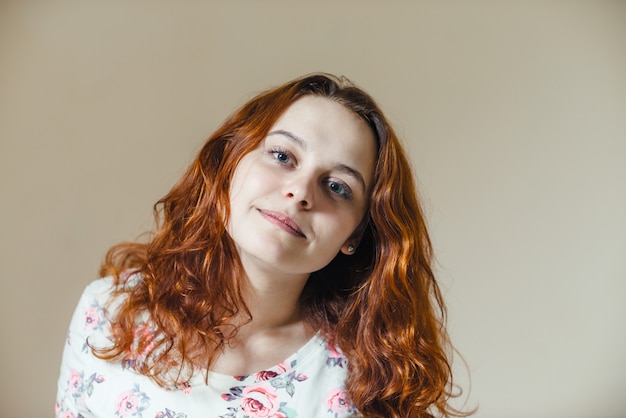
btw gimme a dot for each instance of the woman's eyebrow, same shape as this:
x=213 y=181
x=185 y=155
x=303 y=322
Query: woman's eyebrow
x=341 y=167
x=293 y=137
x=353 y=173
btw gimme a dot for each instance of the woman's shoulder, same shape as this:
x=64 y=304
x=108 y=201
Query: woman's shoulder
x=109 y=287
x=100 y=301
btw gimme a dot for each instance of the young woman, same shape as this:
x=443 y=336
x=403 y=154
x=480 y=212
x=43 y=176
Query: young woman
x=289 y=275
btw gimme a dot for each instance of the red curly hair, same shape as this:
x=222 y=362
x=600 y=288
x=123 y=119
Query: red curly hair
x=381 y=306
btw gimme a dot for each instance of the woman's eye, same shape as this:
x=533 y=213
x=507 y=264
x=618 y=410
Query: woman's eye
x=340 y=189
x=281 y=156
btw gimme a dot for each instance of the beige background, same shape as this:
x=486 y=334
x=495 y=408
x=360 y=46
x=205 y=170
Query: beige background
x=514 y=114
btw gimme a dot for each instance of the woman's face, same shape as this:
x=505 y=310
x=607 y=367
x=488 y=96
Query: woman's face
x=296 y=200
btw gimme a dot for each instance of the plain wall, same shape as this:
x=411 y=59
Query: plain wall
x=514 y=115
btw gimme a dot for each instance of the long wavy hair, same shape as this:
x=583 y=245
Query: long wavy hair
x=382 y=306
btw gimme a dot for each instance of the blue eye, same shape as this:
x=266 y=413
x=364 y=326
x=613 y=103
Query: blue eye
x=280 y=156
x=339 y=189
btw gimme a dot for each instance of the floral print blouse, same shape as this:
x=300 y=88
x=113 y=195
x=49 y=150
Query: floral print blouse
x=310 y=383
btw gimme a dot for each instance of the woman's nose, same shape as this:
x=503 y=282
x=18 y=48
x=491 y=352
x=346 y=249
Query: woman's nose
x=300 y=190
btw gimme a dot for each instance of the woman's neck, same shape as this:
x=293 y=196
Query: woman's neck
x=276 y=331
x=273 y=302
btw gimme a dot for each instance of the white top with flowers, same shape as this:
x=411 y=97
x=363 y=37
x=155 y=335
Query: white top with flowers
x=310 y=383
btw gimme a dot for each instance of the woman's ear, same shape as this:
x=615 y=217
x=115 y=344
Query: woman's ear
x=349 y=248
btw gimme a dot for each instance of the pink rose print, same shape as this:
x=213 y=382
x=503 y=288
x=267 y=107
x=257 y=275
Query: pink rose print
x=127 y=404
x=75 y=382
x=131 y=402
x=184 y=387
x=92 y=318
x=66 y=415
x=260 y=402
x=142 y=345
x=144 y=338
x=332 y=351
x=270 y=374
x=335 y=358
x=337 y=401
x=265 y=375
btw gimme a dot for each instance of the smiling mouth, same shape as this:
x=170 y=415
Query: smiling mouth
x=282 y=221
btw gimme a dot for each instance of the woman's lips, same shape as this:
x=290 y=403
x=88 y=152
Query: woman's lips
x=282 y=221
